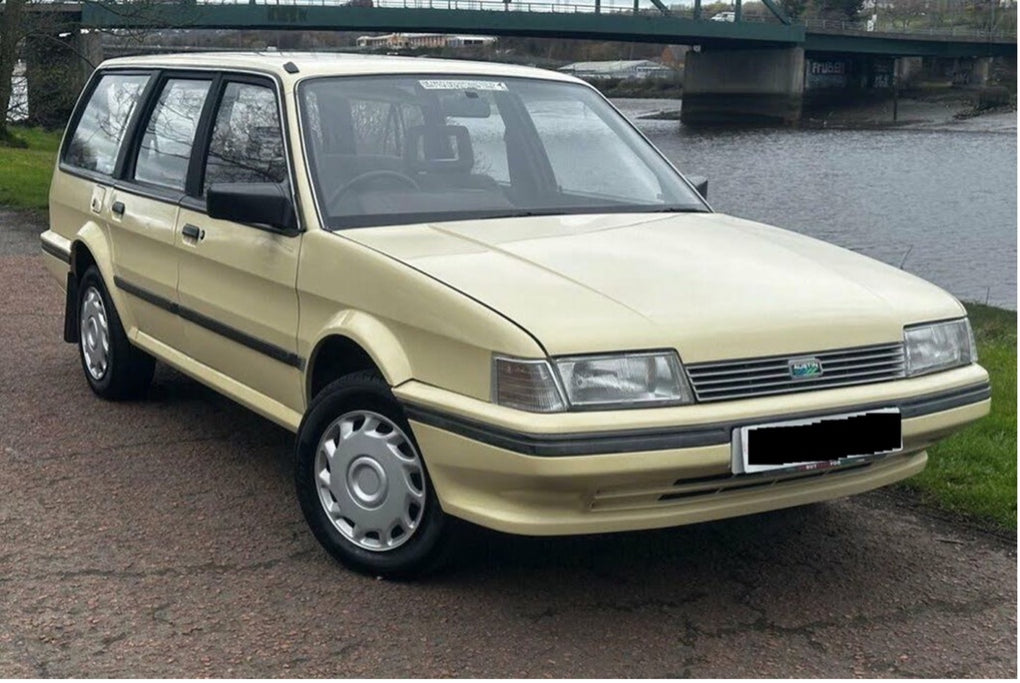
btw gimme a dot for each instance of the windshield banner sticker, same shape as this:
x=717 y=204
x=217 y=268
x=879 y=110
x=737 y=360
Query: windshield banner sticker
x=462 y=85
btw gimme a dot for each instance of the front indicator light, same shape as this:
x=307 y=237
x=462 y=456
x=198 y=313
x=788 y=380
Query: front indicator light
x=526 y=385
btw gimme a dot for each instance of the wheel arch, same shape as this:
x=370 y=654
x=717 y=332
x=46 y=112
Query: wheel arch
x=88 y=247
x=355 y=341
x=91 y=246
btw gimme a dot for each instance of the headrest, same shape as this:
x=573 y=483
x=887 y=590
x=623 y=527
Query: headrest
x=439 y=149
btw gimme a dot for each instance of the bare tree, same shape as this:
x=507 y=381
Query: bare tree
x=59 y=54
x=902 y=14
x=11 y=32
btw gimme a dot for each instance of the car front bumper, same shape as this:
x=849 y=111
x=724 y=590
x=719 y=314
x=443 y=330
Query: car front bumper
x=574 y=473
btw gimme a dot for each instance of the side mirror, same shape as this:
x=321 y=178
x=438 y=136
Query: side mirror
x=263 y=203
x=701 y=185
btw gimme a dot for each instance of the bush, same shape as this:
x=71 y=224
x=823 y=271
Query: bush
x=9 y=139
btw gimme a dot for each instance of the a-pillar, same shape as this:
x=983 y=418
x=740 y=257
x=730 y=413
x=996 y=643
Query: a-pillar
x=56 y=68
x=726 y=86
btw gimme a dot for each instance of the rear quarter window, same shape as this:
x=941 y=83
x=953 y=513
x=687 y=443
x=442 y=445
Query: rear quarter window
x=165 y=149
x=100 y=129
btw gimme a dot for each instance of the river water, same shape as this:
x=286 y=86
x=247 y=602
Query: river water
x=940 y=200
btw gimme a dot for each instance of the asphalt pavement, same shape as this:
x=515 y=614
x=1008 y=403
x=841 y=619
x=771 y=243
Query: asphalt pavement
x=163 y=538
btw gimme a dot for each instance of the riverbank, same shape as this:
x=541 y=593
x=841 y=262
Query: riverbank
x=930 y=110
x=936 y=108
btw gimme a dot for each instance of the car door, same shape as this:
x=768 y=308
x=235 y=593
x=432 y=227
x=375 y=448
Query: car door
x=237 y=286
x=143 y=206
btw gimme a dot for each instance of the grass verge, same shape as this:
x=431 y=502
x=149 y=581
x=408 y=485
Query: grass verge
x=973 y=472
x=25 y=172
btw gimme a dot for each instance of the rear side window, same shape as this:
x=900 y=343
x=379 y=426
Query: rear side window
x=100 y=129
x=247 y=143
x=170 y=132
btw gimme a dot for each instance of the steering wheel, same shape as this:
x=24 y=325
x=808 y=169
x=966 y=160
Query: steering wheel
x=369 y=177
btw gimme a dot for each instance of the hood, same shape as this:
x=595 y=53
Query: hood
x=711 y=286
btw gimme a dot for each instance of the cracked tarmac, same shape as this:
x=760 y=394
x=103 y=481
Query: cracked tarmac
x=163 y=538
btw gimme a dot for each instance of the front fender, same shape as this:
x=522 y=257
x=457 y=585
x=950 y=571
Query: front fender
x=374 y=337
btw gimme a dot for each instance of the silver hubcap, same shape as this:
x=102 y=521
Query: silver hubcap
x=95 y=334
x=370 y=480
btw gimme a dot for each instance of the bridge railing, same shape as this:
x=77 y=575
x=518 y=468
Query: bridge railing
x=630 y=7
x=862 y=28
x=490 y=5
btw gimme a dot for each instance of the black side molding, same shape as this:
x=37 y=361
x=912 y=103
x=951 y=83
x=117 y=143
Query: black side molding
x=243 y=338
x=630 y=441
x=146 y=295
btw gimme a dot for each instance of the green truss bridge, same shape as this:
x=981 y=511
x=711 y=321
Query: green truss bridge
x=752 y=67
x=648 y=21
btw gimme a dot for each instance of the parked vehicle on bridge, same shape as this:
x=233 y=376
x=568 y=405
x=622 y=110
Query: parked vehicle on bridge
x=474 y=291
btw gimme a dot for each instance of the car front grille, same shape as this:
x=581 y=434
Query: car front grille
x=747 y=378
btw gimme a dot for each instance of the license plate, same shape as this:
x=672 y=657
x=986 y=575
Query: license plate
x=817 y=443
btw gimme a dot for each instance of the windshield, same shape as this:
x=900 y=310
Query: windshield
x=386 y=150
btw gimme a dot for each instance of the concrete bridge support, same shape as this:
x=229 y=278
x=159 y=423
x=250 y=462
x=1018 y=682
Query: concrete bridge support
x=907 y=68
x=978 y=71
x=56 y=68
x=743 y=86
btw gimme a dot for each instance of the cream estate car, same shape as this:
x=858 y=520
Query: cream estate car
x=475 y=291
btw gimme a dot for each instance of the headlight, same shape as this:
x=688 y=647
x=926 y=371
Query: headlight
x=631 y=380
x=939 y=346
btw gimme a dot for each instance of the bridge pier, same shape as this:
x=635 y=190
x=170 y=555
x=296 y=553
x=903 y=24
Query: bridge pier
x=727 y=86
x=56 y=68
x=977 y=70
x=836 y=80
x=907 y=68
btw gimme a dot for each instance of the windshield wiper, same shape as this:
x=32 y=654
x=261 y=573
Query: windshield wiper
x=575 y=210
x=524 y=213
x=677 y=209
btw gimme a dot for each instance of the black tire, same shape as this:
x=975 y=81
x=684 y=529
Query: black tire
x=425 y=548
x=128 y=370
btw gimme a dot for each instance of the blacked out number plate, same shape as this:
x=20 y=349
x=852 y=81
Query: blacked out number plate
x=819 y=442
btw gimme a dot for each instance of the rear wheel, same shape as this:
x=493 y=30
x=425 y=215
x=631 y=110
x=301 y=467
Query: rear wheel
x=113 y=367
x=363 y=485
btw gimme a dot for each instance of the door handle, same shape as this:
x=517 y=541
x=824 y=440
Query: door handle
x=192 y=231
x=118 y=208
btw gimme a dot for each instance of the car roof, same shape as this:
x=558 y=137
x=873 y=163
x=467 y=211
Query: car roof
x=330 y=64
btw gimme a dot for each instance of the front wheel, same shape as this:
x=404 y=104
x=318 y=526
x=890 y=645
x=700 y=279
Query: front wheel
x=362 y=483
